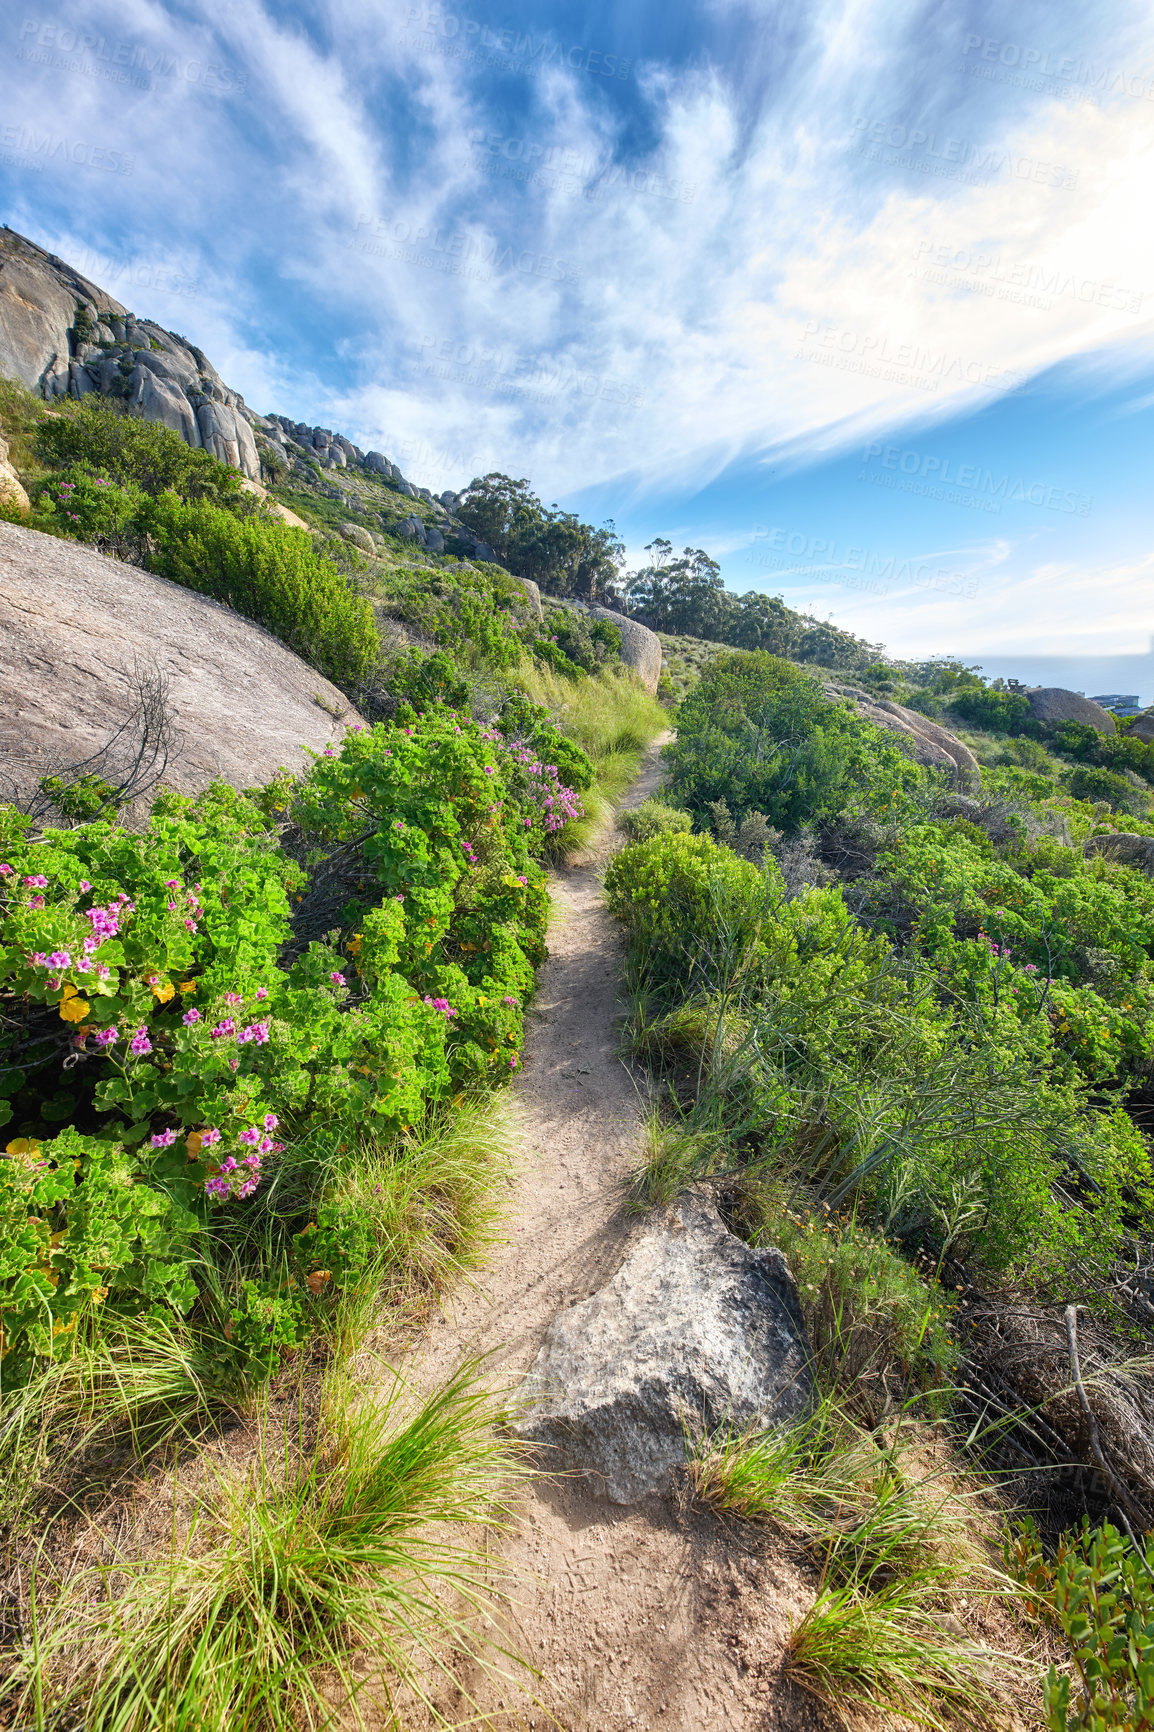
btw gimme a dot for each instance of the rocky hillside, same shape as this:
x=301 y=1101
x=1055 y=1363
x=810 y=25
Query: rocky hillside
x=62 y=335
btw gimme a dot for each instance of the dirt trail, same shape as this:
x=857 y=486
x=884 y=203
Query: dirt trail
x=649 y=1616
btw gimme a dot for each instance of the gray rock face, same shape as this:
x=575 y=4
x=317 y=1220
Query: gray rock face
x=434 y=540
x=696 y=1330
x=932 y=744
x=640 y=647
x=53 y=322
x=533 y=591
x=1055 y=704
x=1137 y=851
x=72 y=623
x=1142 y=728
x=482 y=551
x=413 y=528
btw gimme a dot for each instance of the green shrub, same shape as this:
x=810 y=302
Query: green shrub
x=998 y=712
x=652 y=818
x=102 y=438
x=1092 y=783
x=693 y=909
x=760 y=735
x=144 y=1000
x=1097 y=1593
x=270 y=573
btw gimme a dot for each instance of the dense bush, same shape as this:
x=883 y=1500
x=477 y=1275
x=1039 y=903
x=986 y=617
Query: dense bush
x=100 y=437
x=951 y=1116
x=269 y=573
x=652 y=818
x=152 y=1002
x=760 y=735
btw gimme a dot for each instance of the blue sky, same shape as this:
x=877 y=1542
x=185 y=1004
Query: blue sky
x=859 y=297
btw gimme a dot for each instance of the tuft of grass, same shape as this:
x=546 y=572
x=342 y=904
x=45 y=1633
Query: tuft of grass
x=318 y=1585
x=890 y=1651
x=675 y=1153
x=140 y=1384
x=893 y=1543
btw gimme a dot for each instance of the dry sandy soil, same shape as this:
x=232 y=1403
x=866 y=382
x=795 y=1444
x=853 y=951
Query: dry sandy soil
x=656 y=1615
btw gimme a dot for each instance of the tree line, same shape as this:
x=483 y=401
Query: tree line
x=683 y=594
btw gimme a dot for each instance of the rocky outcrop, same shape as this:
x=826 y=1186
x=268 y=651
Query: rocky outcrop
x=1142 y=728
x=533 y=591
x=1053 y=704
x=1127 y=850
x=640 y=647
x=73 y=625
x=61 y=335
x=697 y=1330
x=12 y=491
x=932 y=744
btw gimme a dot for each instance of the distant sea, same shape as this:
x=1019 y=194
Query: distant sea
x=1093 y=675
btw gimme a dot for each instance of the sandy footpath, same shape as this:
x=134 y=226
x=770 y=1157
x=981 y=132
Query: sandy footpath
x=650 y=1616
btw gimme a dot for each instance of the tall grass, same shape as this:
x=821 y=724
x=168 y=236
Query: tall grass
x=329 y=1582
x=612 y=718
x=896 y=1546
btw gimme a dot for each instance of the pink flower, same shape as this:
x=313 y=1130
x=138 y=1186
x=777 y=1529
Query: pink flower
x=172 y=883
x=190 y=1016
x=164 y=1139
x=36 y=880
x=36 y=902
x=106 y=1036
x=172 y=907
x=6 y=871
x=84 y=884
x=337 y=978
x=257 y=1031
x=271 y=1121
x=251 y=1135
x=262 y=992
x=140 y=1043
x=190 y=926
x=208 y=1137
x=222 y=1029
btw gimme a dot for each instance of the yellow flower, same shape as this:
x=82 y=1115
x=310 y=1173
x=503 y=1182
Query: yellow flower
x=74 y=1009
x=164 y=991
x=23 y=1146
